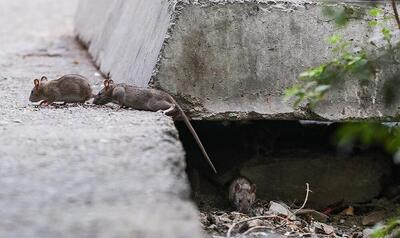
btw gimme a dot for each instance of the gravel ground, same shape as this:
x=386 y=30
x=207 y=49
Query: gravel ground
x=79 y=171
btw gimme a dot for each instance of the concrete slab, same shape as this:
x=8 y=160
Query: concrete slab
x=124 y=37
x=80 y=171
x=224 y=59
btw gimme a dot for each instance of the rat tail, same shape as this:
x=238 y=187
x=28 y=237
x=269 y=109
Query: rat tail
x=196 y=137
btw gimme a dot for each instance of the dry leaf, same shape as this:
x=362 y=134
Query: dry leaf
x=323 y=228
x=318 y=216
x=281 y=209
x=348 y=211
x=373 y=218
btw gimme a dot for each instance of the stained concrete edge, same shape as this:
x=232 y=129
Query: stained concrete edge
x=124 y=37
x=225 y=59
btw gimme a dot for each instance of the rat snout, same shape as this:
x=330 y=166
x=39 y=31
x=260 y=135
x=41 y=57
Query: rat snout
x=244 y=206
x=34 y=98
x=96 y=100
x=100 y=100
x=244 y=209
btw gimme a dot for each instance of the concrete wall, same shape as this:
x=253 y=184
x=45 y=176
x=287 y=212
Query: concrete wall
x=124 y=37
x=223 y=59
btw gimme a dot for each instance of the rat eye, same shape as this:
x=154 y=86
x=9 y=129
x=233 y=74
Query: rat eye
x=240 y=200
x=248 y=200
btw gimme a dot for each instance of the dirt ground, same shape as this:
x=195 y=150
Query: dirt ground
x=266 y=221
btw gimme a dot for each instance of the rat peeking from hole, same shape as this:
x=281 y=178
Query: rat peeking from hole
x=242 y=194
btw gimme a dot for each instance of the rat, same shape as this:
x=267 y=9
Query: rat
x=242 y=194
x=147 y=99
x=71 y=88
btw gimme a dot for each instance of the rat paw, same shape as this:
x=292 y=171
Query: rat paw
x=161 y=111
x=44 y=103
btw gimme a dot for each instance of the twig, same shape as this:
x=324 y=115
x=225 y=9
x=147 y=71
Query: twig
x=319 y=215
x=271 y=216
x=305 y=201
x=287 y=220
x=396 y=13
x=250 y=219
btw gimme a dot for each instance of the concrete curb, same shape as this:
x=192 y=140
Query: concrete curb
x=228 y=60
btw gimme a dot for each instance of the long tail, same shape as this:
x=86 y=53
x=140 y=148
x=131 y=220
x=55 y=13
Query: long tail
x=196 y=137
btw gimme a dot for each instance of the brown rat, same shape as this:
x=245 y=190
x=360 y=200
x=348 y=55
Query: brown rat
x=242 y=194
x=71 y=88
x=146 y=99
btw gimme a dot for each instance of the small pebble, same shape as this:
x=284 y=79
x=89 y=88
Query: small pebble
x=212 y=227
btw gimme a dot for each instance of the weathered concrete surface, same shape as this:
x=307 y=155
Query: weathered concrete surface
x=124 y=37
x=224 y=59
x=79 y=171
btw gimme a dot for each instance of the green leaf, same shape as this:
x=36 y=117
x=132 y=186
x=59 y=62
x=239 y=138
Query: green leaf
x=354 y=60
x=315 y=72
x=386 y=31
x=341 y=18
x=375 y=12
x=388 y=18
x=387 y=34
x=290 y=92
x=386 y=229
x=335 y=39
x=373 y=23
x=322 y=88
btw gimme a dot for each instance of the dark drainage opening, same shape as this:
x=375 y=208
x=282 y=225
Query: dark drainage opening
x=280 y=157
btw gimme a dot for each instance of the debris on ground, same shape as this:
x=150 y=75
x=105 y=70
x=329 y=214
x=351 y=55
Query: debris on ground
x=374 y=217
x=276 y=219
x=270 y=221
x=281 y=209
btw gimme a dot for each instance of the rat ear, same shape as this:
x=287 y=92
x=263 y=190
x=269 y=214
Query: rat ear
x=106 y=83
x=43 y=78
x=36 y=82
x=237 y=187
x=253 y=188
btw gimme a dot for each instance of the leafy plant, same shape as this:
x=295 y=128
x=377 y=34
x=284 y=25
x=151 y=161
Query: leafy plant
x=350 y=62
x=372 y=133
x=390 y=227
x=315 y=82
x=363 y=65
